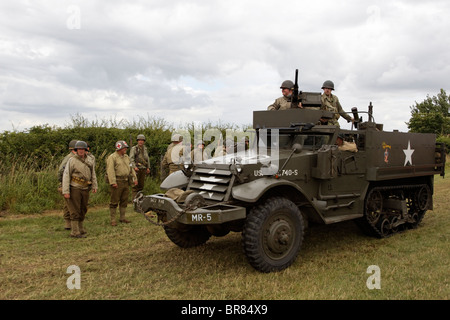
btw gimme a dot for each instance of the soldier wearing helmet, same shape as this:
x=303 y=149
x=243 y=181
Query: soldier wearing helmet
x=284 y=102
x=198 y=154
x=330 y=102
x=120 y=175
x=62 y=166
x=172 y=158
x=140 y=163
x=78 y=179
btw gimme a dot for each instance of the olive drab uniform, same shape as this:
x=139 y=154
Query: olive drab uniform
x=120 y=172
x=281 y=103
x=78 y=179
x=331 y=103
x=139 y=159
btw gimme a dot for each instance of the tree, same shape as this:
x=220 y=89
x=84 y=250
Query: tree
x=432 y=115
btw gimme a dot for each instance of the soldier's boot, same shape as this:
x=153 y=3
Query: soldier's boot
x=67 y=226
x=81 y=228
x=112 y=213
x=75 y=233
x=122 y=216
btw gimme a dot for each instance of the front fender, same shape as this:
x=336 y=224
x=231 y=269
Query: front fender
x=252 y=191
x=176 y=179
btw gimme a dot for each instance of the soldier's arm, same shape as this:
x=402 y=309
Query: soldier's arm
x=111 y=171
x=66 y=178
x=94 y=179
x=132 y=156
x=274 y=106
x=342 y=112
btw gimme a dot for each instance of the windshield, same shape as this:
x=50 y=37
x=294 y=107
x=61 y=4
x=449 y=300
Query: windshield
x=308 y=141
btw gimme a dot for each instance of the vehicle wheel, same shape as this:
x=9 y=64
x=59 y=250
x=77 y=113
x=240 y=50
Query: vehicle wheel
x=273 y=234
x=187 y=236
x=373 y=206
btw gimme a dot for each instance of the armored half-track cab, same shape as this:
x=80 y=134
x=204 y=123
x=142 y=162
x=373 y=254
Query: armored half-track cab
x=299 y=170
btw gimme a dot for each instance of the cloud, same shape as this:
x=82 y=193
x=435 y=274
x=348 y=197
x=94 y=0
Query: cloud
x=214 y=60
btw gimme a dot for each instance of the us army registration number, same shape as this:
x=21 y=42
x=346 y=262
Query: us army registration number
x=202 y=217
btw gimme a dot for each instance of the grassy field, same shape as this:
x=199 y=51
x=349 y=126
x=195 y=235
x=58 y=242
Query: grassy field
x=137 y=261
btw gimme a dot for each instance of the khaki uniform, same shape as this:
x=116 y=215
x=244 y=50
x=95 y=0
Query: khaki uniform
x=281 y=103
x=348 y=146
x=139 y=159
x=198 y=155
x=172 y=158
x=332 y=104
x=119 y=171
x=78 y=179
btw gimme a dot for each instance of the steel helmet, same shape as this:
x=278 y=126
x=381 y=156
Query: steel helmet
x=81 y=145
x=288 y=84
x=177 y=137
x=121 y=145
x=72 y=144
x=328 y=84
x=140 y=137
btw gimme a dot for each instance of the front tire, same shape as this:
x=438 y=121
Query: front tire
x=273 y=234
x=187 y=236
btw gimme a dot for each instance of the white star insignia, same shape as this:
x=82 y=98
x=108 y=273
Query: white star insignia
x=408 y=154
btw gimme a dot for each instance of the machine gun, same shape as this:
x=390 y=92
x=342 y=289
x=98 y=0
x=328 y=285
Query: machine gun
x=295 y=95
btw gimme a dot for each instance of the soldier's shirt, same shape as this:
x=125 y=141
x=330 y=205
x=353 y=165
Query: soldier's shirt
x=119 y=166
x=281 y=103
x=140 y=161
x=331 y=103
x=198 y=155
x=81 y=170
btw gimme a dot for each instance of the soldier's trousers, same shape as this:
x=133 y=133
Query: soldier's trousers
x=66 y=212
x=77 y=203
x=141 y=174
x=119 y=195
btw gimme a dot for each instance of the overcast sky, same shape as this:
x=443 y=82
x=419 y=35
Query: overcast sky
x=212 y=61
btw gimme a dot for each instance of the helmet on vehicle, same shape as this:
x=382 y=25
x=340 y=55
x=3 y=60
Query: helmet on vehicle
x=72 y=144
x=328 y=84
x=140 y=137
x=287 y=84
x=81 y=145
x=121 y=145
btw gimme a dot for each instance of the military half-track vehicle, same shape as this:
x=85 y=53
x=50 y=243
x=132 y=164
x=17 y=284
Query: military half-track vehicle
x=385 y=187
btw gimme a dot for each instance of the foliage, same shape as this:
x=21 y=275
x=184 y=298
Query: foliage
x=29 y=160
x=432 y=115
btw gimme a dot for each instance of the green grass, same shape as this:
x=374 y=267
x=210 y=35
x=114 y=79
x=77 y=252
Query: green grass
x=137 y=261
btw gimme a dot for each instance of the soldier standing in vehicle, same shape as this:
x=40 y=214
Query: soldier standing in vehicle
x=284 y=102
x=140 y=163
x=78 y=179
x=62 y=166
x=172 y=159
x=198 y=154
x=119 y=171
x=330 y=102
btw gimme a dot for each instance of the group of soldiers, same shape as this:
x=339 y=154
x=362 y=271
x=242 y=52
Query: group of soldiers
x=77 y=171
x=78 y=178
x=330 y=102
